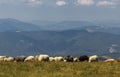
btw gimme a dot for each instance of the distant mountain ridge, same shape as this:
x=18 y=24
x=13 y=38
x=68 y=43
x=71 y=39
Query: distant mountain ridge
x=16 y=25
x=67 y=25
x=64 y=38
x=107 y=27
x=73 y=42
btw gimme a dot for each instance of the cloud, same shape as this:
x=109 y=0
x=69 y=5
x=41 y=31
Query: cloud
x=85 y=2
x=60 y=3
x=106 y=3
x=33 y=2
x=27 y=2
x=111 y=3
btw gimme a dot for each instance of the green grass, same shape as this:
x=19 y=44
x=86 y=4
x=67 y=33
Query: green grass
x=59 y=69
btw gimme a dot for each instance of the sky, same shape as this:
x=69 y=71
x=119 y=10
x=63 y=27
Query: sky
x=61 y=10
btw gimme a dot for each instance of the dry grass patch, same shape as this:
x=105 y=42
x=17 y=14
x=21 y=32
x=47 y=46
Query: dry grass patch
x=59 y=69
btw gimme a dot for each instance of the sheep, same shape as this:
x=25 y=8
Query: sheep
x=51 y=59
x=110 y=60
x=58 y=59
x=83 y=58
x=93 y=58
x=9 y=59
x=75 y=59
x=42 y=57
x=20 y=58
x=36 y=57
x=29 y=58
x=2 y=58
x=68 y=59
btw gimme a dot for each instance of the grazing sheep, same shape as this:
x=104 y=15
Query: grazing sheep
x=58 y=59
x=2 y=58
x=93 y=58
x=20 y=58
x=83 y=58
x=29 y=58
x=42 y=57
x=51 y=59
x=110 y=60
x=68 y=59
x=9 y=59
x=75 y=59
x=36 y=57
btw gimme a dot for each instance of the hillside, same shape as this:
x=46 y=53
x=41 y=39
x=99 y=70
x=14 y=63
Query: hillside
x=65 y=25
x=63 y=38
x=74 y=42
x=16 y=25
x=107 y=27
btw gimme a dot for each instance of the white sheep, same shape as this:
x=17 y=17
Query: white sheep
x=59 y=58
x=110 y=60
x=29 y=58
x=2 y=58
x=93 y=58
x=51 y=59
x=9 y=59
x=42 y=57
x=75 y=59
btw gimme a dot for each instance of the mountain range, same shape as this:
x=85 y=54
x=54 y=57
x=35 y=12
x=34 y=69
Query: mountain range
x=63 y=38
x=16 y=25
x=108 y=27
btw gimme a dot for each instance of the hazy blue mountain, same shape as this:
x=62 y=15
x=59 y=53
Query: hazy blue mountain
x=109 y=27
x=106 y=29
x=65 y=25
x=16 y=25
x=74 y=42
x=63 y=38
x=42 y=23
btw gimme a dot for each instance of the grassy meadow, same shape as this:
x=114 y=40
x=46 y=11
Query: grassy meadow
x=59 y=69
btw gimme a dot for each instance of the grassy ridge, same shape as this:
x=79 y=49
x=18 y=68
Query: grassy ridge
x=59 y=69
